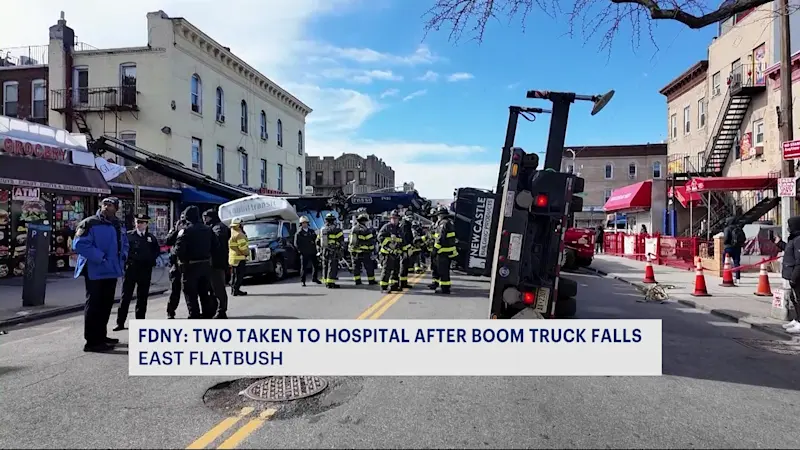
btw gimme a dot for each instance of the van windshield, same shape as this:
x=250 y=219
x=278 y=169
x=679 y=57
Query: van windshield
x=261 y=230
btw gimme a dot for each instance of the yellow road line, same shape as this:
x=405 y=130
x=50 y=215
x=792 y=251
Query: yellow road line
x=219 y=429
x=248 y=429
x=391 y=300
x=385 y=299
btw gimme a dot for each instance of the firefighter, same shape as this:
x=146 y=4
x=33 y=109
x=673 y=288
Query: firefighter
x=238 y=251
x=444 y=249
x=406 y=248
x=331 y=240
x=175 y=277
x=144 y=251
x=431 y=240
x=194 y=247
x=305 y=241
x=390 y=239
x=416 y=248
x=362 y=243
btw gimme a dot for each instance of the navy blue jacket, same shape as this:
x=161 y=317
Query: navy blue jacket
x=100 y=250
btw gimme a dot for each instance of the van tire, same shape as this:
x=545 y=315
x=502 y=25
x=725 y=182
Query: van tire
x=567 y=288
x=278 y=269
x=566 y=307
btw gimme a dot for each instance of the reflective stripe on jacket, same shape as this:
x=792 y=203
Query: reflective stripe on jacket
x=238 y=250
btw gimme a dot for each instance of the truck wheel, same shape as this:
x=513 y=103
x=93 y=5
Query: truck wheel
x=566 y=307
x=569 y=260
x=279 y=270
x=584 y=262
x=566 y=288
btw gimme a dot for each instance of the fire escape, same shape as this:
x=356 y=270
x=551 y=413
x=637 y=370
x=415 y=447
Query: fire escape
x=77 y=103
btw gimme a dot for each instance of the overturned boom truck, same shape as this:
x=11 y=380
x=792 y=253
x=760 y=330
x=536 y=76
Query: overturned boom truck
x=535 y=206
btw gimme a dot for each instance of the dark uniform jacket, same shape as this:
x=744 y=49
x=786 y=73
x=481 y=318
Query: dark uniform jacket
x=219 y=257
x=362 y=241
x=144 y=249
x=390 y=239
x=446 y=239
x=305 y=241
x=331 y=238
x=196 y=242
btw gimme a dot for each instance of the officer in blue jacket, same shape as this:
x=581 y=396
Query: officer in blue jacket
x=101 y=243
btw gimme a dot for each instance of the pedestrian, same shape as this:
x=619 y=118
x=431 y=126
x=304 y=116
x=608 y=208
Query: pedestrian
x=331 y=244
x=102 y=247
x=193 y=247
x=599 y=234
x=305 y=241
x=643 y=230
x=445 y=249
x=390 y=240
x=734 y=240
x=219 y=263
x=790 y=271
x=238 y=251
x=142 y=256
x=175 y=278
x=362 y=243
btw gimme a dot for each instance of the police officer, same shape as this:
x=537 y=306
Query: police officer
x=444 y=249
x=390 y=239
x=174 y=268
x=102 y=247
x=305 y=241
x=144 y=251
x=362 y=243
x=238 y=252
x=331 y=240
x=219 y=264
x=194 y=246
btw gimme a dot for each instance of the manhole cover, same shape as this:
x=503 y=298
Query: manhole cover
x=781 y=347
x=284 y=389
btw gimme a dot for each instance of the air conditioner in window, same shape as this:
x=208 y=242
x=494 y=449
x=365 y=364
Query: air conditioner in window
x=631 y=176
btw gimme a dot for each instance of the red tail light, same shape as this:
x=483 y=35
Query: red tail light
x=528 y=298
x=541 y=200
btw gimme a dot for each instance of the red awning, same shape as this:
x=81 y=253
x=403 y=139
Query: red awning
x=684 y=196
x=632 y=197
x=732 y=184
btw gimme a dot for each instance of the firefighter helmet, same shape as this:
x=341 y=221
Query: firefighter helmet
x=363 y=217
x=442 y=211
x=304 y=219
x=330 y=217
x=395 y=213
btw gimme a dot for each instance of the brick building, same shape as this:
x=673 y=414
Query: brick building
x=350 y=172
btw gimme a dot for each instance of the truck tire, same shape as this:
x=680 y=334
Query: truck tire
x=584 y=262
x=279 y=269
x=567 y=288
x=566 y=307
x=569 y=260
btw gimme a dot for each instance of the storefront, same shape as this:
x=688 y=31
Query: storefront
x=642 y=203
x=46 y=176
x=158 y=203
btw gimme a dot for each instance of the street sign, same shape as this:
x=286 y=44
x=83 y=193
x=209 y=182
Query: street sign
x=787 y=187
x=791 y=150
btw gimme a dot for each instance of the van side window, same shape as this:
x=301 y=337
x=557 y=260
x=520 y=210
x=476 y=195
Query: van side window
x=285 y=230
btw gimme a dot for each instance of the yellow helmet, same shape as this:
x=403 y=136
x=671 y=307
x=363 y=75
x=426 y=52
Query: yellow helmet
x=236 y=222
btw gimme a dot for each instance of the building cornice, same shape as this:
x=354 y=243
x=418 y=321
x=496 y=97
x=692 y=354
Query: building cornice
x=685 y=81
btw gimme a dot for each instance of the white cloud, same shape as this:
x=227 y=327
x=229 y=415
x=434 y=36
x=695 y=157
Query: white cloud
x=389 y=93
x=335 y=109
x=422 y=54
x=415 y=94
x=429 y=76
x=357 y=76
x=460 y=76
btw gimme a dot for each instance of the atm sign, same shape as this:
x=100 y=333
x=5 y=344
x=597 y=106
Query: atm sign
x=17 y=147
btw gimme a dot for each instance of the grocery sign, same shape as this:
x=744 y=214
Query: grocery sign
x=791 y=150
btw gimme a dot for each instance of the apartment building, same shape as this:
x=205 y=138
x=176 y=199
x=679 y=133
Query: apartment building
x=349 y=173
x=606 y=168
x=23 y=77
x=184 y=96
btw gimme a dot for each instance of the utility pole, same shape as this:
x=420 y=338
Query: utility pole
x=786 y=130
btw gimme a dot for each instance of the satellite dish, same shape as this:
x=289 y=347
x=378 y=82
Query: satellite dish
x=601 y=101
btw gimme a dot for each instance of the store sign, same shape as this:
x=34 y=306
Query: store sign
x=791 y=150
x=746 y=149
x=25 y=194
x=787 y=187
x=18 y=147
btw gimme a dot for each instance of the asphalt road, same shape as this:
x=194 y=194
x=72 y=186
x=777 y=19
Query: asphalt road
x=716 y=392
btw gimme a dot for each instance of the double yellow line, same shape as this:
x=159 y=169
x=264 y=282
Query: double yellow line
x=374 y=312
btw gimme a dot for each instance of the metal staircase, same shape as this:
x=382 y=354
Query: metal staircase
x=725 y=131
x=83 y=126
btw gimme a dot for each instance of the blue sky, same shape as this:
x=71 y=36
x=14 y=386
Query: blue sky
x=357 y=62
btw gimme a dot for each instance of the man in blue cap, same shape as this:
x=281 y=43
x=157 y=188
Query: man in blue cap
x=102 y=247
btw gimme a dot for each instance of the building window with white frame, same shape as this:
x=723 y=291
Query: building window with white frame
x=758 y=132
x=39 y=99
x=220 y=101
x=280 y=133
x=263 y=125
x=243 y=168
x=686 y=120
x=657 y=169
x=300 y=143
x=673 y=126
x=701 y=113
x=128 y=137
x=220 y=163
x=10 y=98
x=280 y=177
x=716 y=84
x=244 y=124
x=197 y=154
x=632 y=171
x=300 y=181
x=606 y=195
x=197 y=94
x=609 y=171
x=264 y=173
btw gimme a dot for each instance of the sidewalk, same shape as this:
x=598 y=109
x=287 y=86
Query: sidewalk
x=64 y=295
x=733 y=303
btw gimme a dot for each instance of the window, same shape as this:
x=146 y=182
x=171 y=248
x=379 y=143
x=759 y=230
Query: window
x=128 y=137
x=657 y=169
x=244 y=116
x=280 y=133
x=350 y=176
x=197 y=94
x=701 y=113
x=318 y=178
x=686 y=120
x=570 y=168
x=10 y=98
x=243 y=167
x=716 y=81
x=632 y=171
x=220 y=163
x=362 y=177
x=81 y=77
x=673 y=125
x=308 y=178
x=38 y=99
x=609 y=172
x=300 y=181
x=264 y=173
x=280 y=177
x=220 y=105
x=263 y=125
x=127 y=84
x=337 y=178
x=300 y=143
x=606 y=195
x=758 y=132
x=197 y=154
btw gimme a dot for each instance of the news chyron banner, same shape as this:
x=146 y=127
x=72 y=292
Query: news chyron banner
x=257 y=348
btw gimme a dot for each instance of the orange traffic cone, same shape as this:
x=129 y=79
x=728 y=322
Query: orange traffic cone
x=763 y=289
x=649 y=276
x=727 y=273
x=700 y=282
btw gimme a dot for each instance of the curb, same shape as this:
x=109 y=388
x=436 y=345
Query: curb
x=55 y=312
x=692 y=304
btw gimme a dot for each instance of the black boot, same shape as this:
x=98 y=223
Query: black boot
x=335 y=286
x=433 y=286
x=445 y=290
x=303 y=282
x=316 y=281
x=358 y=283
x=119 y=328
x=221 y=315
x=98 y=348
x=372 y=282
x=395 y=288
